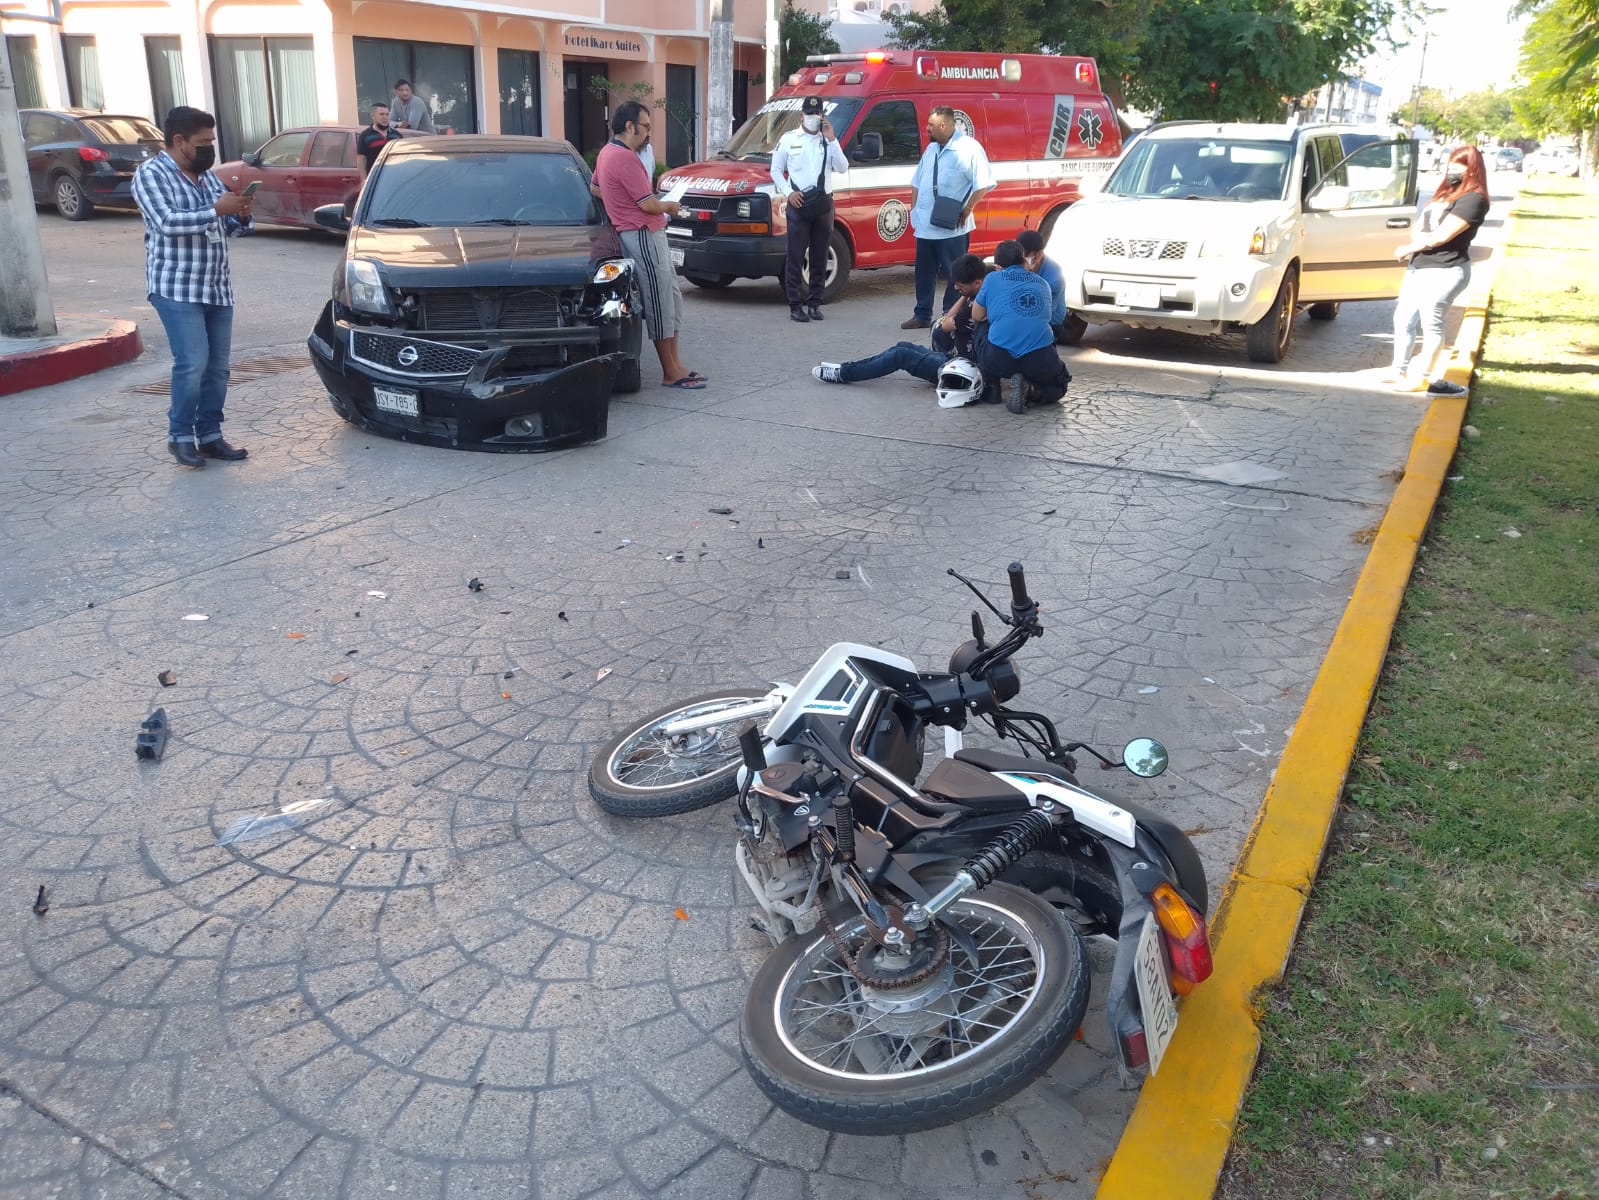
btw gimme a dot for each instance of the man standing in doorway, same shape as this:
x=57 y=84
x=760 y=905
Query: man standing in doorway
x=186 y=213
x=410 y=111
x=371 y=140
x=639 y=215
x=951 y=179
x=800 y=165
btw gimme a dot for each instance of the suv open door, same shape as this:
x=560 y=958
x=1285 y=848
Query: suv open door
x=1356 y=216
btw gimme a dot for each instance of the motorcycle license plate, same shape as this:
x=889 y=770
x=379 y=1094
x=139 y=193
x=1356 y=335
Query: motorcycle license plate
x=388 y=400
x=1154 y=992
x=1138 y=295
x=677 y=258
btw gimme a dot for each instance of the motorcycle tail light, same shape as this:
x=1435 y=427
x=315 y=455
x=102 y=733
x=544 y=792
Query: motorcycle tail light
x=1135 y=1048
x=92 y=154
x=1187 y=939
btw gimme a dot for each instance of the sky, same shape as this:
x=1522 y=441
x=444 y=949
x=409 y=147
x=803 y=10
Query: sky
x=1471 y=45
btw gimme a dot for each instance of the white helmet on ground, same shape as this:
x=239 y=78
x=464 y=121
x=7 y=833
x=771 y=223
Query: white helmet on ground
x=959 y=383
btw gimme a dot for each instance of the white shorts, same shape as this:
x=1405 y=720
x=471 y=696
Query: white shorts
x=657 y=281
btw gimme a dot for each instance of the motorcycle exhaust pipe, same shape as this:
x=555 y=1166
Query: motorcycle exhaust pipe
x=987 y=865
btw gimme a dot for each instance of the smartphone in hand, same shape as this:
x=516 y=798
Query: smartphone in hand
x=251 y=189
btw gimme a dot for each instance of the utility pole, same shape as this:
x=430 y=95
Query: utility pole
x=720 y=126
x=25 y=307
x=1421 y=71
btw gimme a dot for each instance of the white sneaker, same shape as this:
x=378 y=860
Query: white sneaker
x=826 y=372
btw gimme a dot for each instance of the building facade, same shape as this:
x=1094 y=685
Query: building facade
x=551 y=68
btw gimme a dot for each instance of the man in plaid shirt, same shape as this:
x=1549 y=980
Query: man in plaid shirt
x=188 y=215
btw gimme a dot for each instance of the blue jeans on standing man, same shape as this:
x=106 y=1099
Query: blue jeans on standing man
x=932 y=256
x=201 y=337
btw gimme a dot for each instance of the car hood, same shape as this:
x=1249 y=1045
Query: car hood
x=723 y=177
x=487 y=255
x=1167 y=220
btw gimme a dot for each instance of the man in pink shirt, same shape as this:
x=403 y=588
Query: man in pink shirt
x=628 y=194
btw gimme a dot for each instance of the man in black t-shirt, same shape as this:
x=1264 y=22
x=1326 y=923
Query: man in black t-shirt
x=371 y=140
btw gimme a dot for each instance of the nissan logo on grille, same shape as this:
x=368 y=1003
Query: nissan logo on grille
x=408 y=355
x=1142 y=247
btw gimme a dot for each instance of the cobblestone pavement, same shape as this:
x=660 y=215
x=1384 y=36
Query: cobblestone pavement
x=456 y=977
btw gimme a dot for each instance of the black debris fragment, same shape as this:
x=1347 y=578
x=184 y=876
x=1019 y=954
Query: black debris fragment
x=566 y=674
x=167 y=678
x=90 y=604
x=152 y=739
x=562 y=616
x=511 y=673
x=760 y=543
x=840 y=574
x=349 y=653
x=474 y=584
x=1049 y=512
x=40 y=904
x=723 y=512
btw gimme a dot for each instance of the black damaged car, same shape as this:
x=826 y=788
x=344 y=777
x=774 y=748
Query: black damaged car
x=483 y=302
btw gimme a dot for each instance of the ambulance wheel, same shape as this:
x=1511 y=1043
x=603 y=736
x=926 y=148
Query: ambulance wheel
x=713 y=282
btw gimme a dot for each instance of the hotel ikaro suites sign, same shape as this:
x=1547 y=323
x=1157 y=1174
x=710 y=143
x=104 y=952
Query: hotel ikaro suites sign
x=584 y=41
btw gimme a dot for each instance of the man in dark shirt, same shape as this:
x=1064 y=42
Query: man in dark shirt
x=371 y=140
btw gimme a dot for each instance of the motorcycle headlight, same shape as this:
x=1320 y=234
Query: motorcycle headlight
x=364 y=290
x=613 y=269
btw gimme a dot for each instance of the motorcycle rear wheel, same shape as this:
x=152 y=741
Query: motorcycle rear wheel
x=1003 y=1009
x=643 y=773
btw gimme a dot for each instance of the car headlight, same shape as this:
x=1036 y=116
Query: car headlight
x=1257 y=240
x=612 y=270
x=364 y=290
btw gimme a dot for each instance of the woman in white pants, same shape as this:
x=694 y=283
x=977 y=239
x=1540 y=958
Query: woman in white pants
x=1440 y=269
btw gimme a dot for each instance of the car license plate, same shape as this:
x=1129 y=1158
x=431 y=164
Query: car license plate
x=677 y=258
x=1138 y=295
x=388 y=400
x=1154 y=992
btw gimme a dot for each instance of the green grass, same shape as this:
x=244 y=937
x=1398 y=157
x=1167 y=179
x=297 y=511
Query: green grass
x=1437 y=1033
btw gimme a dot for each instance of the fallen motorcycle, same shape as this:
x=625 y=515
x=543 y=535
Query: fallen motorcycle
x=929 y=958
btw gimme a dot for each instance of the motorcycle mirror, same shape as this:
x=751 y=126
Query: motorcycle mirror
x=977 y=630
x=1145 y=758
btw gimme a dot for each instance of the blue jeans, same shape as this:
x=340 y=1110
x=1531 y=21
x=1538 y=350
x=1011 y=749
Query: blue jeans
x=919 y=361
x=1424 y=299
x=201 y=337
x=932 y=256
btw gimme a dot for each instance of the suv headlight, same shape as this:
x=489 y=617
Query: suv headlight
x=613 y=269
x=364 y=290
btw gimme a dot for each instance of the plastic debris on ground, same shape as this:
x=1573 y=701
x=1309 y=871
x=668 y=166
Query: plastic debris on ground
x=474 y=584
x=196 y=617
x=249 y=829
x=151 y=742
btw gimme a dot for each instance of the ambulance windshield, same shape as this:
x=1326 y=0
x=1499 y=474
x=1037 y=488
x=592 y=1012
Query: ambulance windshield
x=758 y=137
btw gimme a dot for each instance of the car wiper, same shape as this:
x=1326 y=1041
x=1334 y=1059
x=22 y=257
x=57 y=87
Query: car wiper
x=400 y=223
x=497 y=221
x=725 y=154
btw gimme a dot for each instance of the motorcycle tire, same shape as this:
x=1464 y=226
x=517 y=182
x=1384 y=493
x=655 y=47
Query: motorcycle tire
x=637 y=774
x=994 y=931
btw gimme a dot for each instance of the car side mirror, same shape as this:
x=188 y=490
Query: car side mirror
x=870 y=148
x=1329 y=197
x=331 y=216
x=252 y=159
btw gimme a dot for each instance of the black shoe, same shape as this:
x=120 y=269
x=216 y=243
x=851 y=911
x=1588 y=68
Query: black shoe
x=798 y=314
x=1442 y=387
x=916 y=323
x=186 y=454
x=816 y=312
x=221 y=449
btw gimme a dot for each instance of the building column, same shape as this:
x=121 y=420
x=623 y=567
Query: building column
x=554 y=85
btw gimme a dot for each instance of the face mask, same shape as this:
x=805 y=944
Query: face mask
x=811 y=124
x=205 y=157
x=1454 y=174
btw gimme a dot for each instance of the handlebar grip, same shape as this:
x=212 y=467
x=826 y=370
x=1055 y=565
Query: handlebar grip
x=1018 y=586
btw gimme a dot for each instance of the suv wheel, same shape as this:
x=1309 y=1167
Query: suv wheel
x=71 y=203
x=1267 y=339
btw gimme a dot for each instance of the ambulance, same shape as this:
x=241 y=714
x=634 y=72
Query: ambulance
x=1050 y=132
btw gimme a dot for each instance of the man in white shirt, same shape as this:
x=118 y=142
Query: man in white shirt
x=954 y=166
x=800 y=167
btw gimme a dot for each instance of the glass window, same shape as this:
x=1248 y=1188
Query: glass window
x=122 y=131
x=758 y=137
x=902 y=133
x=507 y=189
x=164 y=58
x=24 y=59
x=84 y=89
x=442 y=75
x=519 y=93
x=285 y=150
x=681 y=118
x=263 y=85
x=1210 y=168
x=328 y=149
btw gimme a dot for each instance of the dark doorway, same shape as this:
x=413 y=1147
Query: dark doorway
x=682 y=106
x=587 y=110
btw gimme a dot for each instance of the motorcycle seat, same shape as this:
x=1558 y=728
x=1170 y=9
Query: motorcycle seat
x=998 y=760
x=972 y=787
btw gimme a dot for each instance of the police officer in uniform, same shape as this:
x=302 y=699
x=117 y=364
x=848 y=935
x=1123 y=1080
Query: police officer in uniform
x=800 y=167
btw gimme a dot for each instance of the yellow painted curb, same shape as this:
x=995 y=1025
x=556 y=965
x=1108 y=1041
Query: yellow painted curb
x=1176 y=1142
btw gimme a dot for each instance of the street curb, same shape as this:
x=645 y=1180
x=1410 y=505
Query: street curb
x=70 y=360
x=1175 y=1145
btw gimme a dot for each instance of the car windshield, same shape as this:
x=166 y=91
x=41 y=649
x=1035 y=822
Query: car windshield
x=481 y=188
x=1202 y=168
x=122 y=130
x=758 y=137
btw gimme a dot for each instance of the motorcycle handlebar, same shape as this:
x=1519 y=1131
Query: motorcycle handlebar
x=1018 y=586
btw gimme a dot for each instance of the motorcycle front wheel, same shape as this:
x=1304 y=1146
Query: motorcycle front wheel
x=645 y=773
x=843 y=1056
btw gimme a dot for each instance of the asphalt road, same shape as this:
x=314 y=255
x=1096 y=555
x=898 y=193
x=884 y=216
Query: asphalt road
x=455 y=976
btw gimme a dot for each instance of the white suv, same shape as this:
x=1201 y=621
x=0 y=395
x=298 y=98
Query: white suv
x=1204 y=226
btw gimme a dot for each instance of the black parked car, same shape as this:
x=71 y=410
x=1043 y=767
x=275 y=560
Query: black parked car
x=80 y=160
x=484 y=301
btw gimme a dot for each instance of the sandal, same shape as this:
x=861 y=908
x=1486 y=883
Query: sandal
x=688 y=384
x=697 y=375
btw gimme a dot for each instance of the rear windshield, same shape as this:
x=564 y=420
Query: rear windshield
x=758 y=137
x=1203 y=168
x=487 y=188
x=122 y=130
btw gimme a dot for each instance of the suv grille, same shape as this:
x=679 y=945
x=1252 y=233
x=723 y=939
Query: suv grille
x=1149 y=249
x=432 y=358
x=491 y=308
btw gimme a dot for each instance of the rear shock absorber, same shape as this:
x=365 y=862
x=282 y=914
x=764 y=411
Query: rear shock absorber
x=987 y=865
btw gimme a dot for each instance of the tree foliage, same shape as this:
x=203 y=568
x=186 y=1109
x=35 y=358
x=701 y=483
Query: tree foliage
x=802 y=34
x=1562 y=89
x=1469 y=118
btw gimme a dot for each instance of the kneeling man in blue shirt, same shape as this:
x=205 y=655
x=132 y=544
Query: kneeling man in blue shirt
x=1019 y=348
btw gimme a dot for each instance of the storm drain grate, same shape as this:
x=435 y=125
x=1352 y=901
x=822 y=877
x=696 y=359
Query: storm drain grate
x=250 y=368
